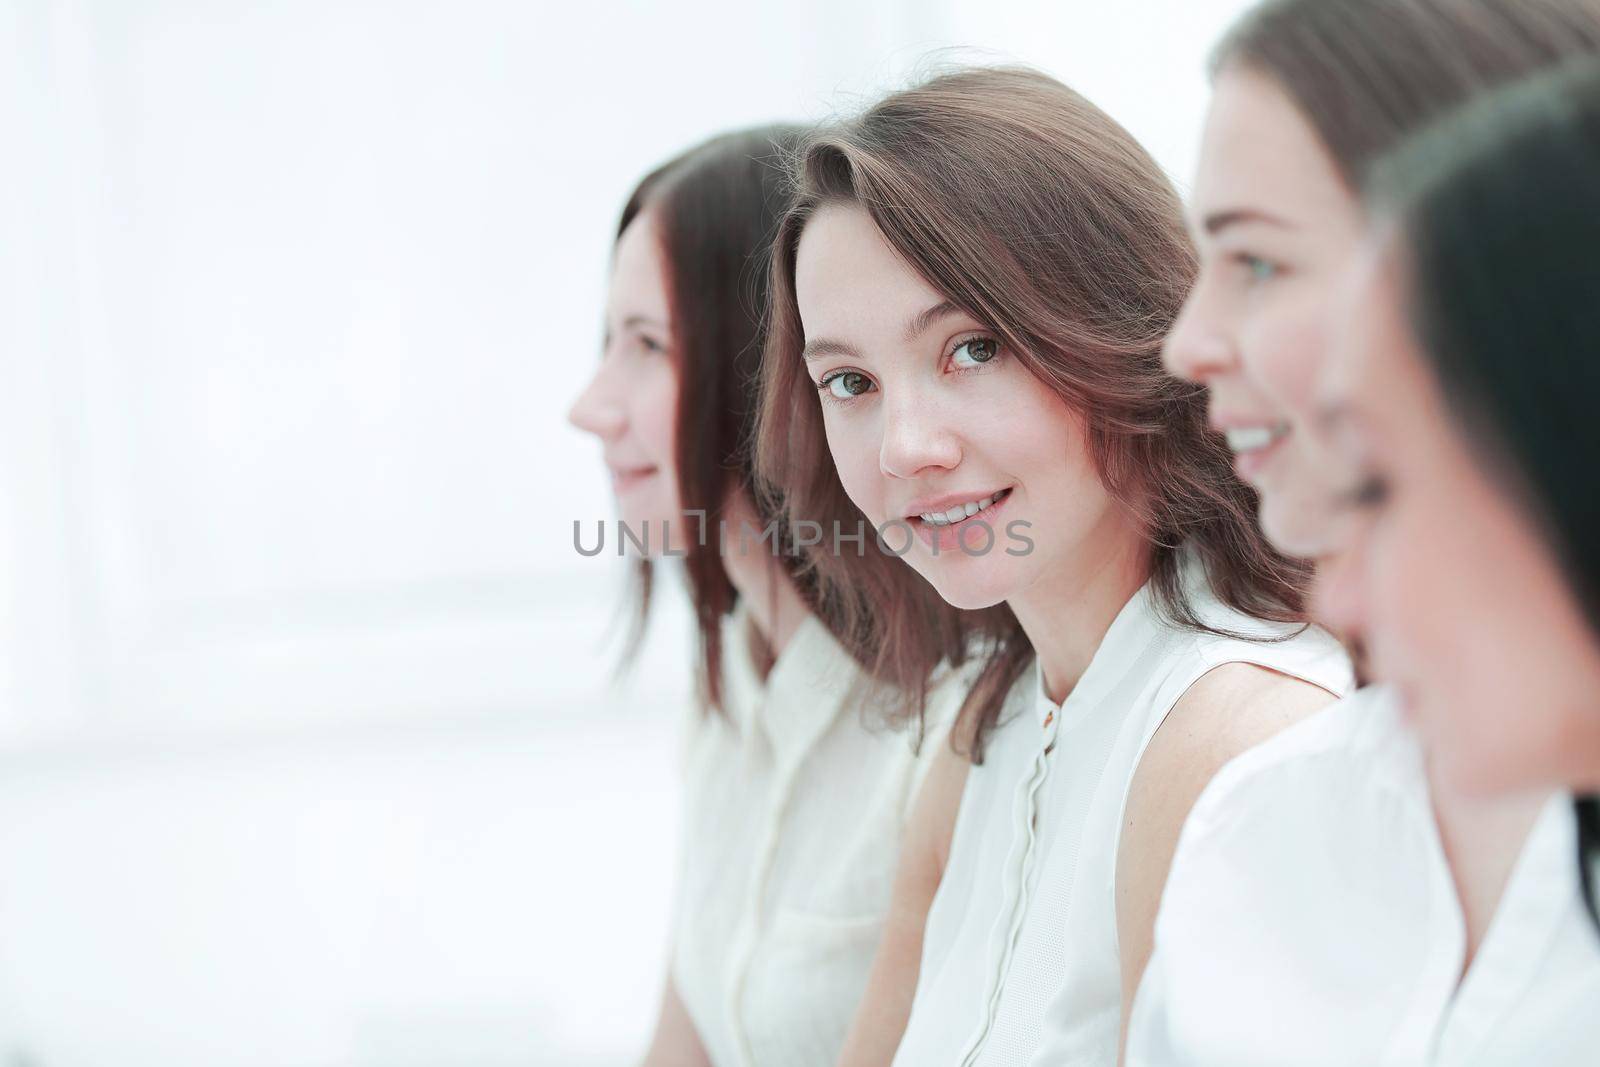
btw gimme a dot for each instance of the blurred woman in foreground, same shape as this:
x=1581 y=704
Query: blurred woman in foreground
x=1342 y=912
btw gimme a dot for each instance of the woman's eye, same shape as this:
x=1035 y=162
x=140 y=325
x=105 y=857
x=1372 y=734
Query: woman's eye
x=976 y=351
x=847 y=385
x=1372 y=492
x=1368 y=494
x=1259 y=270
x=650 y=344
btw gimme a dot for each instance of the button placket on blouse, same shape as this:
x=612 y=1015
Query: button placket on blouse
x=1021 y=866
x=788 y=764
x=745 y=942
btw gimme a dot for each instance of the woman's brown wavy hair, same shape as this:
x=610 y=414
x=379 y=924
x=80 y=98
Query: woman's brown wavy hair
x=1037 y=214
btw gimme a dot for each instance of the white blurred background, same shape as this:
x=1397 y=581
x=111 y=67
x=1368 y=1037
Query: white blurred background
x=310 y=751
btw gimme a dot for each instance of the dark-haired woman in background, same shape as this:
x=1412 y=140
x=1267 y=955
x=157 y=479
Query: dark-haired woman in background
x=1463 y=406
x=794 y=806
x=1329 y=917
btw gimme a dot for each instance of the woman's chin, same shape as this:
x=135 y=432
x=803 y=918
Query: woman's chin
x=965 y=583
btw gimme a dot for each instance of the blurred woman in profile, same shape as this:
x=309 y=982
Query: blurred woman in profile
x=1338 y=895
x=969 y=296
x=794 y=805
x=1462 y=405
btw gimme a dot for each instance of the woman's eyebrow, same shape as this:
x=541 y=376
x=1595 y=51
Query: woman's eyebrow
x=919 y=323
x=1218 y=221
x=822 y=346
x=916 y=326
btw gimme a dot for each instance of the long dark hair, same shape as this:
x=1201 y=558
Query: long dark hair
x=1499 y=212
x=717 y=206
x=1085 y=264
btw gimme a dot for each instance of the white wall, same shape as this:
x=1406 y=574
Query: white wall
x=307 y=736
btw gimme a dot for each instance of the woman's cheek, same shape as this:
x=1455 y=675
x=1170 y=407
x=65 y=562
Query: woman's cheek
x=1287 y=354
x=857 y=463
x=657 y=412
x=1417 y=593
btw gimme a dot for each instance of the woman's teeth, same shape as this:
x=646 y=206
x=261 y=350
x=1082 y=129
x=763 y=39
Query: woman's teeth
x=961 y=511
x=1252 y=438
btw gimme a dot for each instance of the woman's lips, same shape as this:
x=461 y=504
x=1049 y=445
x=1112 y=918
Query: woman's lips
x=1253 y=448
x=623 y=481
x=948 y=538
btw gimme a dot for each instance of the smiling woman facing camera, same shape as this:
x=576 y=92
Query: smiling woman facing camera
x=969 y=298
x=794 y=806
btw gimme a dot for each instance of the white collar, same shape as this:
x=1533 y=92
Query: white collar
x=800 y=697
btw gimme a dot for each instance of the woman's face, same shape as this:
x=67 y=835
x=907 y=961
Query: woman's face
x=1274 y=225
x=932 y=422
x=1461 y=605
x=631 y=403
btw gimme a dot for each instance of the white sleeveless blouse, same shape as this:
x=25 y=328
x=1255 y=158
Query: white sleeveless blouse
x=794 y=809
x=1311 y=918
x=1020 y=958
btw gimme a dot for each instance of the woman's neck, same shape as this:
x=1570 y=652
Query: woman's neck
x=1067 y=612
x=776 y=607
x=1482 y=838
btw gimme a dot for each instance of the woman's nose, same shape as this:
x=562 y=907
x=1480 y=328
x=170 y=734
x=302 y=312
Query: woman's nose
x=596 y=410
x=1197 y=348
x=1336 y=598
x=916 y=438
